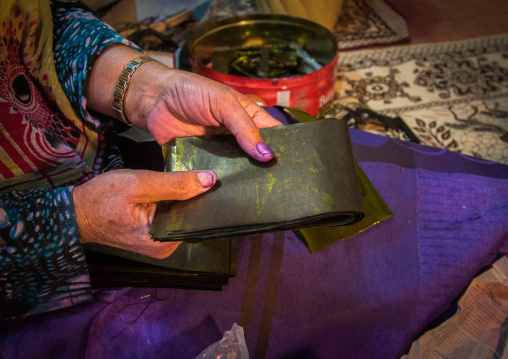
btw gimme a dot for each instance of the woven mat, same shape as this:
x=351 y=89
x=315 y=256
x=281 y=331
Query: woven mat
x=452 y=95
x=369 y=22
x=361 y=23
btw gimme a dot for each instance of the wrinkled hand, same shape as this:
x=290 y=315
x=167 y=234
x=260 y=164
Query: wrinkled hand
x=171 y=103
x=117 y=208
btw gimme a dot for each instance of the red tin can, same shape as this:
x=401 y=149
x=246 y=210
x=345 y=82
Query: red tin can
x=308 y=92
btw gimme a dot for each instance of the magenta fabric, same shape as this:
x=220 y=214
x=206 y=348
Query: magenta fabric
x=366 y=297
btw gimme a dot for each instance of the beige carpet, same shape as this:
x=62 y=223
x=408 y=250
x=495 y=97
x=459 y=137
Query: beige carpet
x=452 y=95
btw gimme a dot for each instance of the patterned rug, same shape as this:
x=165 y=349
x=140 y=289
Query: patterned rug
x=361 y=23
x=452 y=95
x=369 y=22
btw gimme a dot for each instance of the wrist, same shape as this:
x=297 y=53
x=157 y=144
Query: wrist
x=122 y=86
x=148 y=86
x=81 y=221
x=104 y=77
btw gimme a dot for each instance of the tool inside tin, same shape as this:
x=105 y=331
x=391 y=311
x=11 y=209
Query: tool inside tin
x=265 y=61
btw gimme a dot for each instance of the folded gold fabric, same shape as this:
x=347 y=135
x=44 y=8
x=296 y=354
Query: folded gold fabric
x=375 y=209
x=311 y=182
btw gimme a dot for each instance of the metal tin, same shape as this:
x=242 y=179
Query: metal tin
x=308 y=91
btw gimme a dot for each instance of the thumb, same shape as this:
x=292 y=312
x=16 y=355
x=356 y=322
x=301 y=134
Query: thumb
x=245 y=125
x=248 y=137
x=179 y=186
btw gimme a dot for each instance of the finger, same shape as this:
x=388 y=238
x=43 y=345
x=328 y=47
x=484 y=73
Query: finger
x=160 y=186
x=151 y=213
x=261 y=118
x=247 y=134
x=253 y=144
x=246 y=130
x=159 y=250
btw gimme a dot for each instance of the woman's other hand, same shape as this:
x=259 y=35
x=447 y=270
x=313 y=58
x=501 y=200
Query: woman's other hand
x=116 y=208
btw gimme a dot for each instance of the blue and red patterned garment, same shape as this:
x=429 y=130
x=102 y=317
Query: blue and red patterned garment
x=49 y=142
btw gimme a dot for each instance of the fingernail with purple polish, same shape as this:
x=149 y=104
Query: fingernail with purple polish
x=263 y=149
x=206 y=178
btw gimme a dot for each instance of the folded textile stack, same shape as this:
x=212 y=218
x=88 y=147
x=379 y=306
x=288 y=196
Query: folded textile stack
x=311 y=182
x=204 y=265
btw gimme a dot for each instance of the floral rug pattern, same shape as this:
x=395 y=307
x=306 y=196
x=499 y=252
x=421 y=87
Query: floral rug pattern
x=452 y=95
x=365 y=23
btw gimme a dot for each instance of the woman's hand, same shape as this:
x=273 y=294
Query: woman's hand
x=116 y=208
x=171 y=103
x=180 y=104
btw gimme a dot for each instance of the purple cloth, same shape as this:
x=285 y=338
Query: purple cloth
x=365 y=297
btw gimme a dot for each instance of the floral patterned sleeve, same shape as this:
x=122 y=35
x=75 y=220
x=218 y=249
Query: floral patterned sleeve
x=42 y=262
x=79 y=39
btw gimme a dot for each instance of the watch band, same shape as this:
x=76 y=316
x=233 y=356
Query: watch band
x=122 y=85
